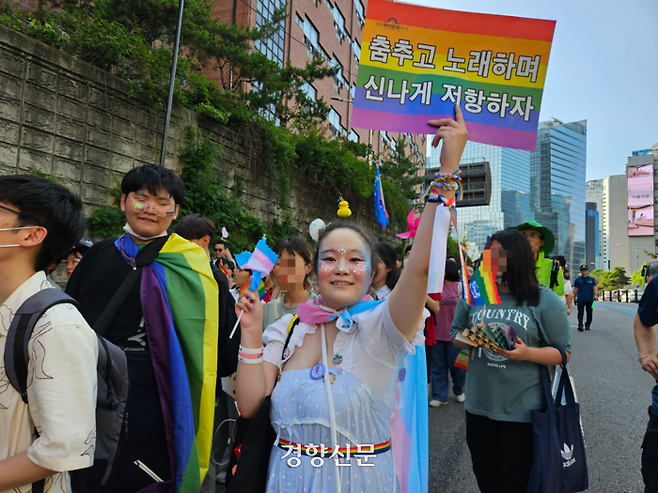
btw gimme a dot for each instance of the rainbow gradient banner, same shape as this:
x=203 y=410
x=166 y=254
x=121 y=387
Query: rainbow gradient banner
x=417 y=62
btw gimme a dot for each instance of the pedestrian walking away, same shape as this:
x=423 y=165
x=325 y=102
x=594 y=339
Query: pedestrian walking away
x=585 y=292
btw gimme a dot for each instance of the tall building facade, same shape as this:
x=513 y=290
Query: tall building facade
x=510 y=193
x=594 y=194
x=558 y=185
x=333 y=30
x=638 y=245
x=592 y=249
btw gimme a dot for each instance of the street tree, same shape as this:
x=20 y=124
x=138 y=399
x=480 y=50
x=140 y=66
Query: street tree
x=617 y=278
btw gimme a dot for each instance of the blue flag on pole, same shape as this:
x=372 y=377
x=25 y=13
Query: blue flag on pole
x=380 y=207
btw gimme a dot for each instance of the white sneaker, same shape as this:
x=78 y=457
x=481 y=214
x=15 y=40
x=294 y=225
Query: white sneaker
x=435 y=403
x=460 y=398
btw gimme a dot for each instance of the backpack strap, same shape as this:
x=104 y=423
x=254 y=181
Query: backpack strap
x=146 y=256
x=16 y=354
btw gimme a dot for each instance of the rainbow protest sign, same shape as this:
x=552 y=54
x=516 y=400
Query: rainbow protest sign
x=417 y=63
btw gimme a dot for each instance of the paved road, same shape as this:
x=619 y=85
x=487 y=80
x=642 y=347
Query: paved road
x=614 y=394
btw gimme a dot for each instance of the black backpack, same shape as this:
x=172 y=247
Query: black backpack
x=112 y=373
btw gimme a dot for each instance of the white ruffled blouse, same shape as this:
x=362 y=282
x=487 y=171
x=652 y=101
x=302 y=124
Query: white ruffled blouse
x=372 y=349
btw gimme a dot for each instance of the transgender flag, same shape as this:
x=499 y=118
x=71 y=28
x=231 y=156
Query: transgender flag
x=260 y=262
x=409 y=424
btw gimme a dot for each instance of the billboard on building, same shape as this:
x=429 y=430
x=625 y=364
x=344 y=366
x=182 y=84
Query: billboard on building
x=640 y=200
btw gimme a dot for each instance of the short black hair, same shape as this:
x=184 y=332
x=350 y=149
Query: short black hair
x=520 y=275
x=221 y=241
x=154 y=178
x=452 y=271
x=42 y=202
x=194 y=227
x=385 y=253
x=407 y=249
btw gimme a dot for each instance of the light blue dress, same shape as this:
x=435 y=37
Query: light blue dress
x=372 y=350
x=359 y=413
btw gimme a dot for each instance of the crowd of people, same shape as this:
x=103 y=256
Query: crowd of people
x=323 y=344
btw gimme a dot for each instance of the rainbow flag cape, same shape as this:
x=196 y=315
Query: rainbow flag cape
x=409 y=422
x=180 y=305
x=417 y=63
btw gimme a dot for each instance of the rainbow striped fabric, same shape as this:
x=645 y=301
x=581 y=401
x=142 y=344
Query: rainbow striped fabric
x=417 y=62
x=483 y=284
x=180 y=307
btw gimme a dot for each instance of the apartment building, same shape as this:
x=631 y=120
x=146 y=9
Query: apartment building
x=332 y=29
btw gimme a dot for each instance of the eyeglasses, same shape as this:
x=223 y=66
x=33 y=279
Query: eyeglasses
x=13 y=211
x=9 y=210
x=159 y=210
x=532 y=234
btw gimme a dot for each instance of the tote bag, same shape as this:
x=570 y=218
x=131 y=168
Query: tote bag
x=559 y=460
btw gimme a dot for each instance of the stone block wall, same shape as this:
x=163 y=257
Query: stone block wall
x=78 y=123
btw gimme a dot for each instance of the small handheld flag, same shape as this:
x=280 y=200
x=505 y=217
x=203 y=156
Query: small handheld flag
x=380 y=207
x=260 y=262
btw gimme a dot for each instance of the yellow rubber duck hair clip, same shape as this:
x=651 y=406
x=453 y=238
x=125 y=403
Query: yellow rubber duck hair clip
x=343 y=208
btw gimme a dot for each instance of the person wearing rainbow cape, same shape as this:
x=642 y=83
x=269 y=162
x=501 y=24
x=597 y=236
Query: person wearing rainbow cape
x=167 y=326
x=338 y=374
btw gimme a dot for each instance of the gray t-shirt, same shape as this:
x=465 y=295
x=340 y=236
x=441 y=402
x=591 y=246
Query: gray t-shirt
x=499 y=388
x=275 y=309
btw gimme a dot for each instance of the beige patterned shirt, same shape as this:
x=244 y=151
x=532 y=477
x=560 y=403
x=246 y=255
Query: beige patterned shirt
x=61 y=389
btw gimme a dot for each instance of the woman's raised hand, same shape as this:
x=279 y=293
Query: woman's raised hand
x=454 y=135
x=252 y=318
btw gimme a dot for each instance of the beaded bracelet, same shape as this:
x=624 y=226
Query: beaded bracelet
x=445 y=181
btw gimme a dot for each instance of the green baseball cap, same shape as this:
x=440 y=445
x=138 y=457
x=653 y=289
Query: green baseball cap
x=549 y=238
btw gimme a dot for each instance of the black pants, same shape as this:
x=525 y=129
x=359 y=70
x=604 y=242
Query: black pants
x=650 y=454
x=501 y=452
x=582 y=305
x=143 y=436
x=428 y=361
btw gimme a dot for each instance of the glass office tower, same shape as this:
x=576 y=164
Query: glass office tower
x=510 y=193
x=558 y=186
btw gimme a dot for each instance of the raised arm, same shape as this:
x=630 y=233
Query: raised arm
x=407 y=300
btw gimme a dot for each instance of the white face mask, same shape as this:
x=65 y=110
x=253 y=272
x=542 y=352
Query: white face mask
x=14 y=229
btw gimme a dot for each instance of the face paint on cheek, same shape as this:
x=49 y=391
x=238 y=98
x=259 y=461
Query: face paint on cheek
x=325 y=268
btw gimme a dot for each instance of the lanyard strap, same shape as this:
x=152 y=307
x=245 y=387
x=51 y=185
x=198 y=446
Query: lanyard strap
x=330 y=400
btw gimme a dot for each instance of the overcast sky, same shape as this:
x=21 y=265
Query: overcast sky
x=603 y=68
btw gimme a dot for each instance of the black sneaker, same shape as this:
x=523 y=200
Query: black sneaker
x=580 y=329
x=586 y=327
